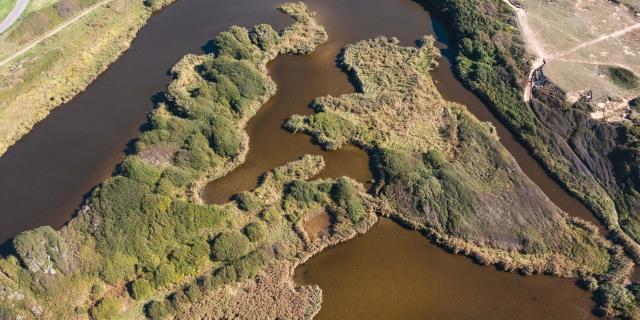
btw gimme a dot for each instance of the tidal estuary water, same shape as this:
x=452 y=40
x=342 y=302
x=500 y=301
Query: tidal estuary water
x=388 y=273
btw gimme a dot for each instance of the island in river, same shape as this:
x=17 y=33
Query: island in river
x=144 y=246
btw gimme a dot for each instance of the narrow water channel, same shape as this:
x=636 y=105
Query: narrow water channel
x=47 y=173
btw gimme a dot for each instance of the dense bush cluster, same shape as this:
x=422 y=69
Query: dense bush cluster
x=230 y=246
x=138 y=230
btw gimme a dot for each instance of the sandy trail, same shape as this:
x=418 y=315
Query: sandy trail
x=533 y=44
x=535 y=47
x=597 y=40
x=53 y=32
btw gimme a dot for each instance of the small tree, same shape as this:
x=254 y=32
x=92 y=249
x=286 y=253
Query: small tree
x=140 y=289
x=230 y=246
x=256 y=231
x=156 y=310
x=106 y=309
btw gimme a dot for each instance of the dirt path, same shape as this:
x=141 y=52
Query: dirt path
x=597 y=40
x=533 y=45
x=53 y=32
x=13 y=16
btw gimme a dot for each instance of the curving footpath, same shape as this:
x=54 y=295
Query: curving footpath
x=13 y=16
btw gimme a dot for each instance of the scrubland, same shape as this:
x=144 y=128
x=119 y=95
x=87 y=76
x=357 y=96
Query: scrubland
x=139 y=247
x=145 y=246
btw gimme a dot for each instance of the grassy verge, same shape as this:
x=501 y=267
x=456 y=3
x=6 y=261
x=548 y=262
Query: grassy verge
x=57 y=69
x=5 y=7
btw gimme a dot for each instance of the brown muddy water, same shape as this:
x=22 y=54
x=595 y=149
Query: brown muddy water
x=394 y=273
x=387 y=273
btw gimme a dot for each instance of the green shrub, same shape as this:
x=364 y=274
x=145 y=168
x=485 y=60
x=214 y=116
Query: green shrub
x=242 y=73
x=264 y=37
x=234 y=43
x=156 y=310
x=195 y=153
x=178 y=177
x=119 y=267
x=230 y=246
x=256 y=231
x=347 y=197
x=107 y=308
x=193 y=293
x=187 y=259
x=304 y=192
x=250 y=265
x=164 y=274
x=272 y=214
x=622 y=77
x=136 y=169
x=178 y=299
x=248 y=202
x=225 y=139
x=140 y=289
x=227 y=274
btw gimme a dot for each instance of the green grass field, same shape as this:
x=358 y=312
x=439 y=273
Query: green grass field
x=5 y=7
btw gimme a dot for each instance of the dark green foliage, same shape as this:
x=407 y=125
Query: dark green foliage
x=107 y=308
x=347 y=197
x=250 y=265
x=234 y=43
x=614 y=301
x=118 y=267
x=140 y=289
x=195 y=153
x=622 y=77
x=193 y=292
x=256 y=231
x=136 y=169
x=178 y=177
x=230 y=246
x=427 y=185
x=304 y=192
x=491 y=58
x=156 y=310
x=264 y=37
x=227 y=274
x=224 y=138
x=138 y=227
x=164 y=274
x=247 y=202
x=237 y=82
x=188 y=258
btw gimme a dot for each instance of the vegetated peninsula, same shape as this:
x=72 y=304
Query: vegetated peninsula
x=582 y=120
x=139 y=238
x=56 y=50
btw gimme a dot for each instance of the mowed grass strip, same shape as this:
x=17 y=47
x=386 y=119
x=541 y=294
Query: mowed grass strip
x=5 y=7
